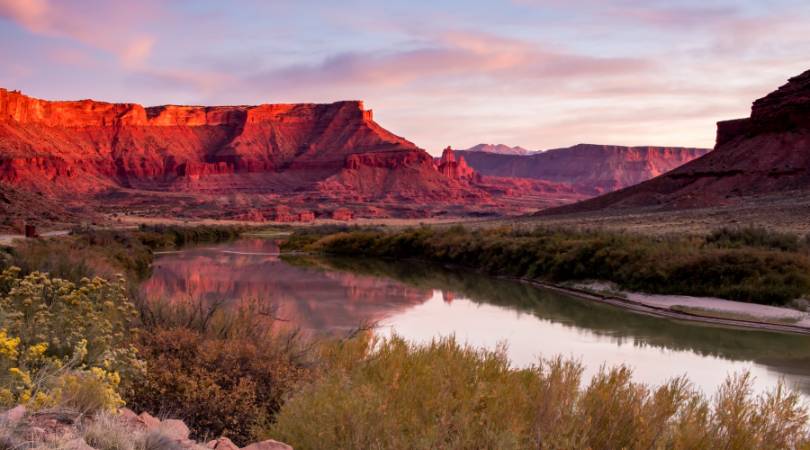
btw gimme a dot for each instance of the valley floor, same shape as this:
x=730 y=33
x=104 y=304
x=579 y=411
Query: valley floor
x=784 y=212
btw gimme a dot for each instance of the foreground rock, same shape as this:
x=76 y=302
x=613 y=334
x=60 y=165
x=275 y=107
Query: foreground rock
x=20 y=428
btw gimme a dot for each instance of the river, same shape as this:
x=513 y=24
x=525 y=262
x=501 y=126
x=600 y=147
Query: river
x=423 y=301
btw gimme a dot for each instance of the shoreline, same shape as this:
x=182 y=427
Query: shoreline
x=649 y=309
x=657 y=311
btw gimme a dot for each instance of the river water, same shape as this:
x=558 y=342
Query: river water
x=421 y=302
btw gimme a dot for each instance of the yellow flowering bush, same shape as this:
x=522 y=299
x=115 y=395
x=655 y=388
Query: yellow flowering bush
x=63 y=343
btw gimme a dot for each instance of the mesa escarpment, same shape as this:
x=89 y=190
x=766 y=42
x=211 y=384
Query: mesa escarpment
x=590 y=169
x=767 y=153
x=107 y=144
x=184 y=159
x=245 y=162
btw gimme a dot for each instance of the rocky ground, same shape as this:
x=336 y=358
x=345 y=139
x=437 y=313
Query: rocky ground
x=121 y=430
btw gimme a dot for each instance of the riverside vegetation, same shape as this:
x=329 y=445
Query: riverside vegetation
x=745 y=264
x=87 y=344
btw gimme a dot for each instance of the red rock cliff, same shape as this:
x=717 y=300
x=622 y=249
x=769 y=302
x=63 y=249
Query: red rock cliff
x=129 y=145
x=222 y=161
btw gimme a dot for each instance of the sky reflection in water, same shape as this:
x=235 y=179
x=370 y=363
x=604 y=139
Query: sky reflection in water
x=421 y=302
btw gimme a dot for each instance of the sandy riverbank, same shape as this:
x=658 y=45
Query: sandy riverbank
x=708 y=310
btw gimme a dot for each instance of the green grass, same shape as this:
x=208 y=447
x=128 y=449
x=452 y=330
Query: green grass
x=755 y=270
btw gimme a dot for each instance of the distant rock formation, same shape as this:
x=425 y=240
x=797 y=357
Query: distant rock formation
x=767 y=153
x=500 y=149
x=455 y=167
x=590 y=169
x=88 y=145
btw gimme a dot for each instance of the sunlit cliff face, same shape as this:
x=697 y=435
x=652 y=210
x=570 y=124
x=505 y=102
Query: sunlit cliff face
x=251 y=270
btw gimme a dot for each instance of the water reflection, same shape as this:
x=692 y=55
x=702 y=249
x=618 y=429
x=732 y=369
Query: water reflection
x=309 y=297
x=421 y=301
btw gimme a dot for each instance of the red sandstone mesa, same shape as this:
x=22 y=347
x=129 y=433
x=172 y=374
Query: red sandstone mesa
x=768 y=152
x=294 y=153
x=67 y=160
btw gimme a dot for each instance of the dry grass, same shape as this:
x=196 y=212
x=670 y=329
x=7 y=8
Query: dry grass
x=108 y=432
x=392 y=394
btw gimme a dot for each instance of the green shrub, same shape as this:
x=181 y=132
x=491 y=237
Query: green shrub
x=750 y=270
x=172 y=236
x=90 y=252
x=753 y=237
x=392 y=394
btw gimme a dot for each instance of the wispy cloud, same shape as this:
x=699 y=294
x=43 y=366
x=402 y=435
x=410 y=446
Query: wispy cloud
x=99 y=25
x=453 y=55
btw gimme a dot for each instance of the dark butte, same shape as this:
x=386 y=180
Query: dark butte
x=767 y=153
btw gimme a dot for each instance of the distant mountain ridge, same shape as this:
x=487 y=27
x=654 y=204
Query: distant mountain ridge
x=594 y=169
x=766 y=153
x=500 y=149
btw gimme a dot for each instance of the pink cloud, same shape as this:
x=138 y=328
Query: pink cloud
x=466 y=55
x=100 y=25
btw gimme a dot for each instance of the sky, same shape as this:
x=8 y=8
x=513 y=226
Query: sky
x=535 y=73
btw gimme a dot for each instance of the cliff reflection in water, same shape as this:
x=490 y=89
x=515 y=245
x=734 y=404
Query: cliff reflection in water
x=421 y=301
x=306 y=296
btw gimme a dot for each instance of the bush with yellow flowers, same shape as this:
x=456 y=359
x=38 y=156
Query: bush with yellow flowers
x=63 y=343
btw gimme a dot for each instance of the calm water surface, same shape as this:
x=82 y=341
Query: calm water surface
x=420 y=302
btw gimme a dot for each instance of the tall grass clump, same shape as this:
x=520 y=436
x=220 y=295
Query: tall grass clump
x=754 y=269
x=394 y=394
x=106 y=431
